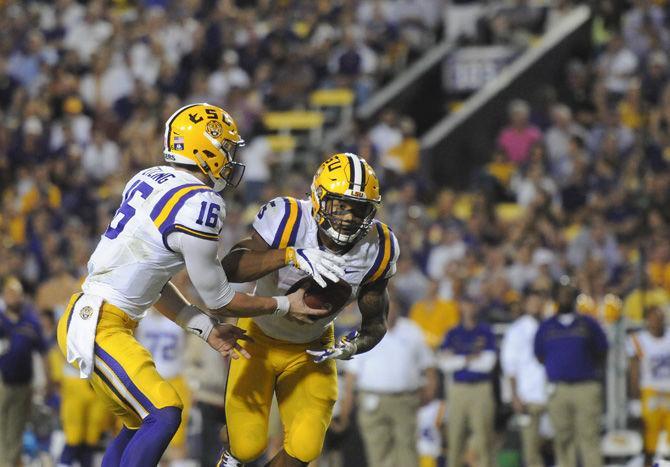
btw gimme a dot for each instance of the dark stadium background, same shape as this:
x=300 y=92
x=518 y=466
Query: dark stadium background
x=420 y=88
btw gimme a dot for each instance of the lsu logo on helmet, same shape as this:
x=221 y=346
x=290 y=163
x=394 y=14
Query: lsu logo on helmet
x=214 y=128
x=205 y=136
x=347 y=177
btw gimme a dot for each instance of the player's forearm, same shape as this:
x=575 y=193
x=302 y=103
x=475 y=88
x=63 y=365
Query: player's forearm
x=171 y=302
x=369 y=336
x=244 y=306
x=373 y=303
x=243 y=265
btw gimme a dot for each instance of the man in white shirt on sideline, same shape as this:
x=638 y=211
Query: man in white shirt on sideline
x=526 y=376
x=389 y=380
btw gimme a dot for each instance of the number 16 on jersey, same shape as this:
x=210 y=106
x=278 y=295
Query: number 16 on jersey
x=212 y=217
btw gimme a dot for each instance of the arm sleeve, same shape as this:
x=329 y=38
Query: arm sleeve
x=204 y=269
x=484 y=362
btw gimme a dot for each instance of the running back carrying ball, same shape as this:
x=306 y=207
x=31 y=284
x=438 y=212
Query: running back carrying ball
x=333 y=297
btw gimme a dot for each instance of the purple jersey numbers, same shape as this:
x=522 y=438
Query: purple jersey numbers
x=212 y=217
x=126 y=211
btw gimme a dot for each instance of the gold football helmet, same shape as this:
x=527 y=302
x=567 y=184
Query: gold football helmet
x=348 y=178
x=205 y=136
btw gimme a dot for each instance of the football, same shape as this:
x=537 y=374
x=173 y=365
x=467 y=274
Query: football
x=333 y=297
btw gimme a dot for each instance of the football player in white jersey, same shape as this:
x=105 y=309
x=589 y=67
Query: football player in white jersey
x=297 y=361
x=649 y=352
x=170 y=217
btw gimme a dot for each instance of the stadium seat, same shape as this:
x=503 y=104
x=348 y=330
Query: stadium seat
x=296 y=120
x=293 y=120
x=281 y=143
x=339 y=97
x=333 y=102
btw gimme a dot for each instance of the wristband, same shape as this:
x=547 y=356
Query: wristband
x=283 y=305
x=289 y=259
x=195 y=321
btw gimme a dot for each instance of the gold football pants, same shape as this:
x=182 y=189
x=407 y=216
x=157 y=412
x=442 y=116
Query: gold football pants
x=306 y=392
x=125 y=377
x=655 y=417
x=83 y=416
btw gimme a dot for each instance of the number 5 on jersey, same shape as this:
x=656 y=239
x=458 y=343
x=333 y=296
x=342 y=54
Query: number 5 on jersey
x=212 y=217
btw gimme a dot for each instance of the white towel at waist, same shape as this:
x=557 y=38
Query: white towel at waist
x=81 y=333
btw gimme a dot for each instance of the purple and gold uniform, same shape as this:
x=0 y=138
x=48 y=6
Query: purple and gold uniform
x=306 y=391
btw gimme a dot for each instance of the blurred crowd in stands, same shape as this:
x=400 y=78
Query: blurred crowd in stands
x=579 y=187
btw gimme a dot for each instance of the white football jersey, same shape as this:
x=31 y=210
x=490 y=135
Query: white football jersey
x=654 y=355
x=133 y=260
x=165 y=340
x=288 y=222
x=429 y=436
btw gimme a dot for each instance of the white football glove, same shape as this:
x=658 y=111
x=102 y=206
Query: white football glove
x=316 y=263
x=343 y=350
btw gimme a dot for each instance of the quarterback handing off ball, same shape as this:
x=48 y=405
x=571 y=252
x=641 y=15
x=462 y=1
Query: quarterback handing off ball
x=332 y=297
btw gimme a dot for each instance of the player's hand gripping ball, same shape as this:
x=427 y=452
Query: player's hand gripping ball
x=333 y=297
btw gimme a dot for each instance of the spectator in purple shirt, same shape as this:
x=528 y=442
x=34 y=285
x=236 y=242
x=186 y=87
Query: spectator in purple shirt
x=572 y=347
x=469 y=352
x=20 y=336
